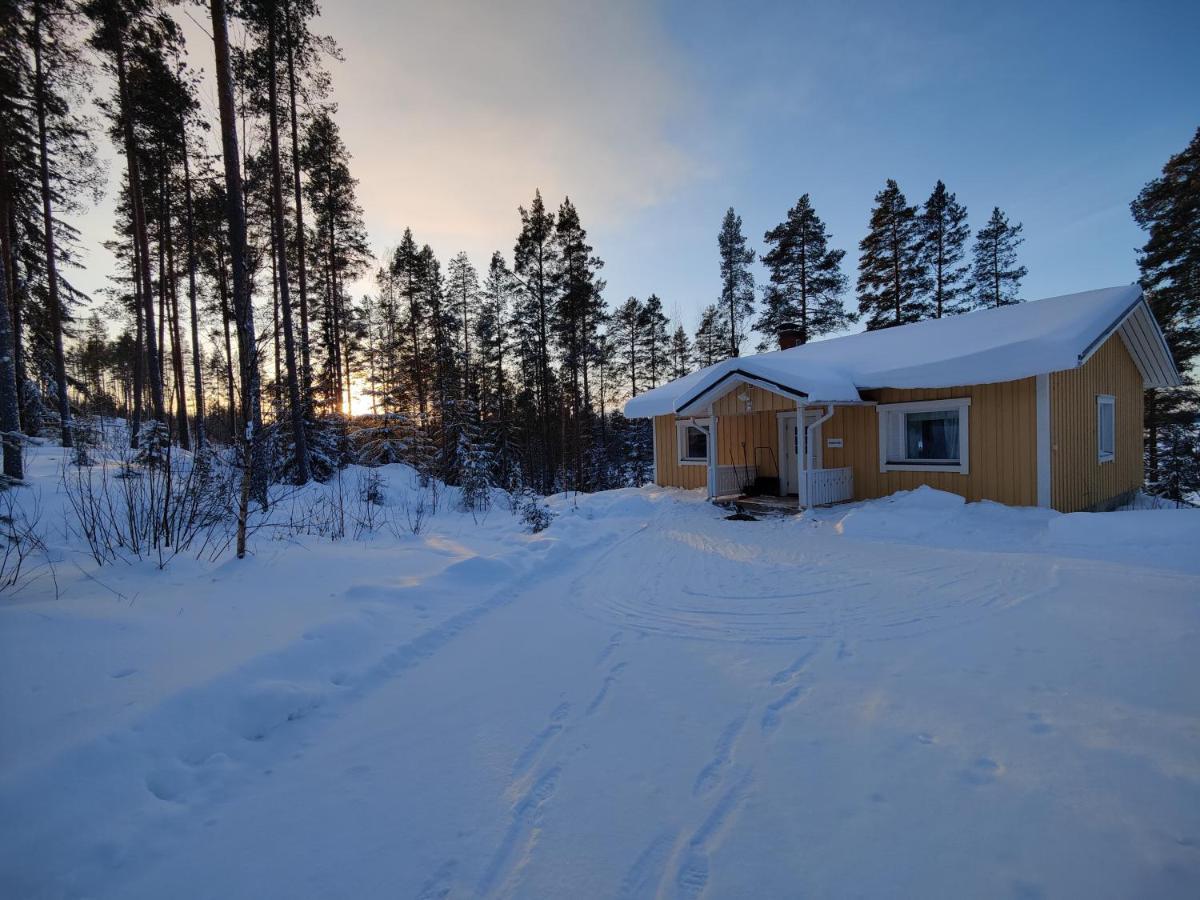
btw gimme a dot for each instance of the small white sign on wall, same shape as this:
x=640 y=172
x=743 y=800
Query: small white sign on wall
x=833 y=442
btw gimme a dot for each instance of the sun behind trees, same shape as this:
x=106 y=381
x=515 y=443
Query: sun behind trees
x=231 y=326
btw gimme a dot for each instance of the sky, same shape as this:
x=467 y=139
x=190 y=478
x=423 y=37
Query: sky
x=655 y=117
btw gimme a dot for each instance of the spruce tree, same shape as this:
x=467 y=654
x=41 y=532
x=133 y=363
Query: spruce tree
x=944 y=234
x=891 y=274
x=806 y=281
x=1168 y=208
x=996 y=275
x=737 y=280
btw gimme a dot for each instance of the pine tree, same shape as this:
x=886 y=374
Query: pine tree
x=681 y=354
x=338 y=244
x=10 y=413
x=1168 y=208
x=737 y=280
x=243 y=307
x=122 y=26
x=944 y=233
x=891 y=275
x=806 y=281
x=492 y=336
x=625 y=333
x=266 y=19
x=534 y=263
x=996 y=275
x=462 y=289
x=711 y=341
x=655 y=347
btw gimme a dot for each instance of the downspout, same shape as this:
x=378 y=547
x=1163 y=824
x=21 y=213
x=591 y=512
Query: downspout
x=809 y=431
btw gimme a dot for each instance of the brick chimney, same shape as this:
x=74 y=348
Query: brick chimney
x=789 y=335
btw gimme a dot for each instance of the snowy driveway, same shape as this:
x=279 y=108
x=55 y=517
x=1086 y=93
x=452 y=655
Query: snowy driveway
x=651 y=701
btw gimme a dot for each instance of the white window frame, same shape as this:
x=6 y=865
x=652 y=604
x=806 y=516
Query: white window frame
x=681 y=427
x=891 y=428
x=1110 y=401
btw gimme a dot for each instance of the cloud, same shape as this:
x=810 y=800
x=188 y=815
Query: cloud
x=456 y=111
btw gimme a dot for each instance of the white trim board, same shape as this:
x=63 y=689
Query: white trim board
x=887 y=418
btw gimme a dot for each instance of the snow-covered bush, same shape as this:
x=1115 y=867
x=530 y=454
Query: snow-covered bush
x=534 y=514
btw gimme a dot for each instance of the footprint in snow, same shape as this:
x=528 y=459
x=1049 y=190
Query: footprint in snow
x=983 y=771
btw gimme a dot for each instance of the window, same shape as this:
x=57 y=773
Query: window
x=924 y=436
x=1106 y=427
x=692 y=440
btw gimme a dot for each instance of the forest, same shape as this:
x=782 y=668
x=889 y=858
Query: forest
x=237 y=327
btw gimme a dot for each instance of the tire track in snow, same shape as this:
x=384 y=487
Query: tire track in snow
x=202 y=746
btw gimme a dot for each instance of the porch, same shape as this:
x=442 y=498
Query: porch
x=767 y=448
x=819 y=487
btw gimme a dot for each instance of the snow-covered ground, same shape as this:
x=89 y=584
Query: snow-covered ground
x=911 y=697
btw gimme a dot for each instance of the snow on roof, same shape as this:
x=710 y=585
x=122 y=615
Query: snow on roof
x=981 y=347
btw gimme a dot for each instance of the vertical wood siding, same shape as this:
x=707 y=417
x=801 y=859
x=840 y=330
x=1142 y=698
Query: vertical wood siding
x=1078 y=479
x=760 y=401
x=1002 y=442
x=749 y=440
x=667 y=471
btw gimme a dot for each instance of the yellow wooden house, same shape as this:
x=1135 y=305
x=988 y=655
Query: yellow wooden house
x=1035 y=404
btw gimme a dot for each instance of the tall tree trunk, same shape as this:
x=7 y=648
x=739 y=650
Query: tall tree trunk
x=10 y=410
x=189 y=227
x=8 y=238
x=54 y=299
x=139 y=356
x=247 y=346
x=301 y=261
x=171 y=296
x=226 y=318
x=137 y=205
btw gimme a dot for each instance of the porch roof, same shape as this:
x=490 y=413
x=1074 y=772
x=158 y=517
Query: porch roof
x=991 y=345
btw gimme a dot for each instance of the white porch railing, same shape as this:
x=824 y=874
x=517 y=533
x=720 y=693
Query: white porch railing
x=734 y=479
x=829 y=486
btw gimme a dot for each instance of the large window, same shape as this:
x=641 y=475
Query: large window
x=1106 y=427
x=924 y=436
x=692 y=440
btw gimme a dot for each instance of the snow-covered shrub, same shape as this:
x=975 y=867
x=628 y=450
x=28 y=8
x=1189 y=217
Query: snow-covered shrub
x=474 y=471
x=368 y=512
x=389 y=438
x=85 y=438
x=153 y=444
x=535 y=515
x=416 y=505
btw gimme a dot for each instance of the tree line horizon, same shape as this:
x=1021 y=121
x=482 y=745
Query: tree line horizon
x=235 y=324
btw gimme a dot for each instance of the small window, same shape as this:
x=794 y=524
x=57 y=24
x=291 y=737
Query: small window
x=692 y=437
x=1106 y=427
x=924 y=436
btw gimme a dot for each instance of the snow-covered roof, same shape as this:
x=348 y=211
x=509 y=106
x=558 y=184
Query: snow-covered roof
x=980 y=347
